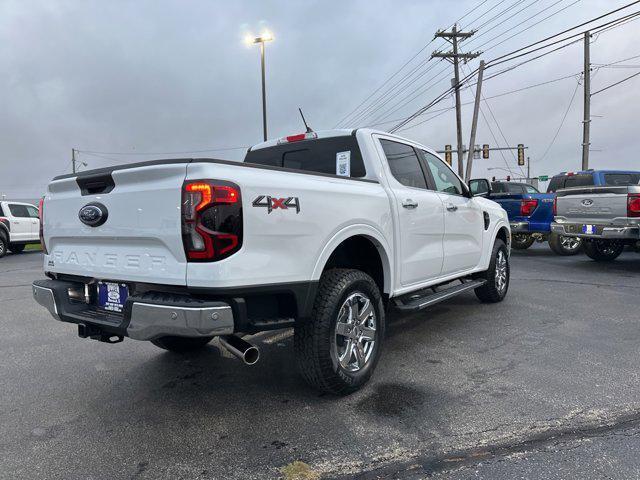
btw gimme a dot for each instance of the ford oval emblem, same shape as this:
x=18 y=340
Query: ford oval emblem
x=93 y=214
x=587 y=203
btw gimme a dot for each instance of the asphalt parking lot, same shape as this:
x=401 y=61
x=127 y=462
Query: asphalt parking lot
x=544 y=385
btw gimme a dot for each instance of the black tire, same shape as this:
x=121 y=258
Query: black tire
x=521 y=241
x=603 y=250
x=564 y=245
x=494 y=291
x=181 y=344
x=16 y=248
x=316 y=341
x=4 y=244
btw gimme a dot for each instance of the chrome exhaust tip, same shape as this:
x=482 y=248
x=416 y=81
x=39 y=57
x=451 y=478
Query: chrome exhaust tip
x=241 y=349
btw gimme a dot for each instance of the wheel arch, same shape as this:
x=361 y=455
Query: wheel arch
x=359 y=247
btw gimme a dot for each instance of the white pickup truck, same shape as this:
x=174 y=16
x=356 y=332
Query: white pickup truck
x=324 y=232
x=19 y=226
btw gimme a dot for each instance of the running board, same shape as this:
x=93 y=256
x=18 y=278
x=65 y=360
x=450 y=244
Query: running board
x=412 y=302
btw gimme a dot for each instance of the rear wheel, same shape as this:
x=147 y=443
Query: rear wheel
x=4 y=244
x=565 y=245
x=181 y=344
x=338 y=348
x=497 y=276
x=603 y=250
x=16 y=248
x=521 y=241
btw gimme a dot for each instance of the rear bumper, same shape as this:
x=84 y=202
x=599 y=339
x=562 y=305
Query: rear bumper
x=519 y=227
x=145 y=317
x=606 y=232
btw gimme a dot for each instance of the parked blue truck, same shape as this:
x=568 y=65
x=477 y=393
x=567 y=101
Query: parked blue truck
x=531 y=212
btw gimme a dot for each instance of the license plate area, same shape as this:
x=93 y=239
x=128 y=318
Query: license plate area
x=111 y=296
x=590 y=229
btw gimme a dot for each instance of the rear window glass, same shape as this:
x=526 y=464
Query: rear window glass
x=501 y=187
x=622 y=179
x=335 y=156
x=582 y=180
x=556 y=183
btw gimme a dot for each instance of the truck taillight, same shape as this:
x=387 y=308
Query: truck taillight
x=41 y=232
x=527 y=207
x=555 y=206
x=633 y=205
x=211 y=220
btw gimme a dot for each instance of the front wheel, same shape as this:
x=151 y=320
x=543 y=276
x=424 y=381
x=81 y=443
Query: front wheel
x=521 y=241
x=603 y=250
x=497 y=276
x=181 y=344
x=338 y=348
x=16 y=248
x=565 y=245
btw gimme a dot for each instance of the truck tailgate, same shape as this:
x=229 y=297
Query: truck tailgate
x=592 y=205
x=142 y=239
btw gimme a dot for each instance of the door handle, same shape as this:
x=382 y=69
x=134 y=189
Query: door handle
x=408 y=203
x=451 y=207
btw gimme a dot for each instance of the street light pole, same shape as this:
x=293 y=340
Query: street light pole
x=265 y=37
x=264 y=93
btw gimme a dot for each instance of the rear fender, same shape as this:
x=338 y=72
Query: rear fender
x=364 y=230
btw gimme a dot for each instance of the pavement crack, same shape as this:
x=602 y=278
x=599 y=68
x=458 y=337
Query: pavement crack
x=453 y=460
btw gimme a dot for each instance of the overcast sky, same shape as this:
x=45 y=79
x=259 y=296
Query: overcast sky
x=172 y=76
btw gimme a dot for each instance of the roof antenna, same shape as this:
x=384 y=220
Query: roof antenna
x=309 y=129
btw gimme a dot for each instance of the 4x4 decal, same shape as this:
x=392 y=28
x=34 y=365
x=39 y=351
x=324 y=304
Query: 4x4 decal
x=273 y=203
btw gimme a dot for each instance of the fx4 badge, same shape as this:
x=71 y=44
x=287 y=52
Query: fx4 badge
x=272 y=203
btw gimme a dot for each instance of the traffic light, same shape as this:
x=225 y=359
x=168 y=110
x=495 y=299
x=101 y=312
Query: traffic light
x=447 y=154
x=520 y=154
x=485 y=151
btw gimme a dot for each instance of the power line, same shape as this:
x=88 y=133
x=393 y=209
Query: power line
x=570 y=29
x=92 y=152
x=505 y=58
x=564 y=117
x=617 y=83
x=530 y=26
x=371 y=108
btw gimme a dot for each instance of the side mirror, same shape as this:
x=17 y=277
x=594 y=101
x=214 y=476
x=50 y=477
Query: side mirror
x=480 y=187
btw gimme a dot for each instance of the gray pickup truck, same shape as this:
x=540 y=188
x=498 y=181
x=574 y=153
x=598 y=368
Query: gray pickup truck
x=606 y=218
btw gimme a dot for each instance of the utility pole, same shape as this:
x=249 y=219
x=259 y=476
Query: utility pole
x=586 y=122
x=73 y=160
x=454 y=57
x=474 y=122
x=528 y=168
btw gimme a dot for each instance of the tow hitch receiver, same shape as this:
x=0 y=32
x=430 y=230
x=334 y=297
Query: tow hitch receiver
x=95 y=333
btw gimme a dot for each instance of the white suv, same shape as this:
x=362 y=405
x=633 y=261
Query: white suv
x=19 y=226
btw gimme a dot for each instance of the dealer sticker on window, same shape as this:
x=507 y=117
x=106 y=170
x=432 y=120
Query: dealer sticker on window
x=343 y=164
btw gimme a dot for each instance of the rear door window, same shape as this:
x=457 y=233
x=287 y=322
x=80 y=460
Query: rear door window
x=580 y=180
x=621 y=179
x=335 y=156
x=404 y=164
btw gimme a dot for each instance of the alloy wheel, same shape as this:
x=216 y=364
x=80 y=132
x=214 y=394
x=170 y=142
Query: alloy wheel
x=355 y=333
x=501 y=271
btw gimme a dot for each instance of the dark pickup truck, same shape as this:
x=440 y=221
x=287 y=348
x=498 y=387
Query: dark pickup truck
x=530 y=214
